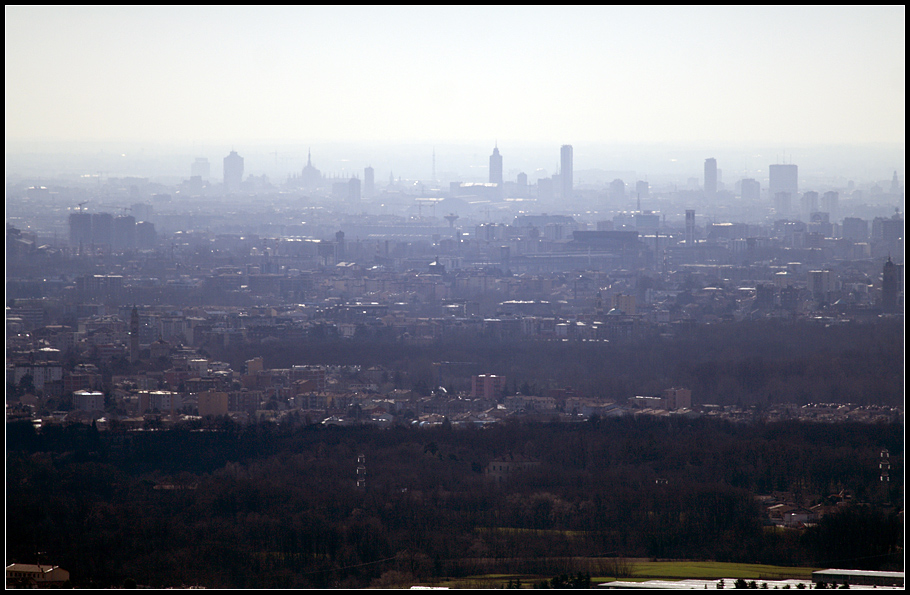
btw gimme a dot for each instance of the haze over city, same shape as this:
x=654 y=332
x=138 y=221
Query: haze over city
x=461 y=297
x=630 y=88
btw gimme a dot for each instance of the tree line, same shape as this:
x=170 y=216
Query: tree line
x=745 y=363
x=265 y=506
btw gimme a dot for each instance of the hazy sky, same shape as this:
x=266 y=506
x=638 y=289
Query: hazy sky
x=770 y=75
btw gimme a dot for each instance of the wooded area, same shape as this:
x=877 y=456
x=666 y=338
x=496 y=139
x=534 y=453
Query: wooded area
x=264 y=506
x=743 y=363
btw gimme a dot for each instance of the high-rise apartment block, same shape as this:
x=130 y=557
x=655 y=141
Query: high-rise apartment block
x=565 y=170
x=368 y=183
x=690 y=228
x=889 y=287
x=488 y=386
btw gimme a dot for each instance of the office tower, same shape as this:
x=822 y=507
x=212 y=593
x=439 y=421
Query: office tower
x=750 y=189
x=690 y=228
x=830 y=202
x=233 y=172
x=80 y=228
x=102 y=228
x=617 y=190
x=545 y=188
x=354 y=191
x=522 y=184
x=809 y=203
x=368 y=184
x=889 y=287
x=855 y=229
x=565 y=170
x=783 y=178
x=710 y=177
x=496 y=167
x=782 y=203
x=200 y=168
x=642 y=189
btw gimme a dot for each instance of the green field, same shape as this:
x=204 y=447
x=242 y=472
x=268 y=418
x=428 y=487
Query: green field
x=642 y=570
x=709 y=570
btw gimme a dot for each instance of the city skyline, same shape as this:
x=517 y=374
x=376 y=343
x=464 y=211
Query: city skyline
x=674 y=75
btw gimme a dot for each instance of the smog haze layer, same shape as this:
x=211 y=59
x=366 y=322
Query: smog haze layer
x=190 y=76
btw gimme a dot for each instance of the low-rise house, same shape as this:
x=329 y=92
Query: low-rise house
x=35 y=575
x=501 y=469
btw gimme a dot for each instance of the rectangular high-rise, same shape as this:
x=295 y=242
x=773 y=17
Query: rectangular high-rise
x=233 y=172
x=710 y=177
x=750 y=189
x=496 y=167
x=368 y=182
x=565 y=170
x=200 y=168
x=783 y=178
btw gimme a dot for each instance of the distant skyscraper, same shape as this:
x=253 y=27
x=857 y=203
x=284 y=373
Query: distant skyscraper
x=855 y=229
x=200 y=168
x=134 y=336
x=80 y=229
x=102 y=228
x=233 y=172
x=690 y=228
x=565 y=170
x=809 y=203
x=368 y=184
x=782 y=203
x=710 y=177
x=750 y=189
x=354 y=191
x=889 y=287
x=642 y=189
x=783 y=178
x=617 y=190
x=124 y=233
x=830 y=202
x=496 y=167
x=146 y=238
